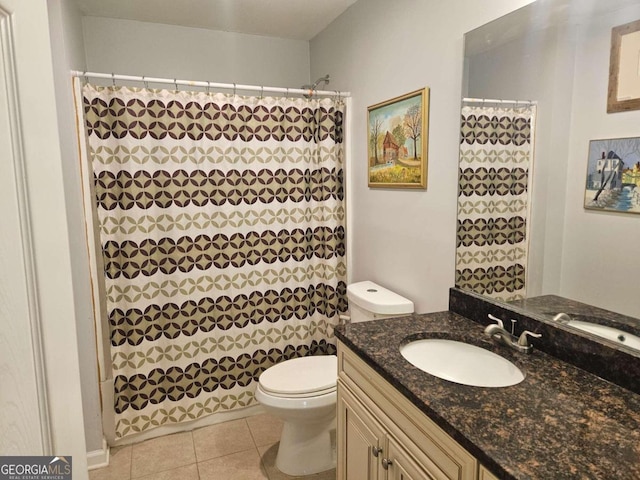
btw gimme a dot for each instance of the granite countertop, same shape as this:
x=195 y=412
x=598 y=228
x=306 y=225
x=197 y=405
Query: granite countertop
x=560 y=422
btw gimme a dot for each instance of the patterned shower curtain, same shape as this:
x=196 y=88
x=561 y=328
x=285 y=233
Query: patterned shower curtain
x=496 y=154
x=222 y=231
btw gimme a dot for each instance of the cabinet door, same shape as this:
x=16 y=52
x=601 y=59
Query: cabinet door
x=400 y=466
x=360 y=441
x=485 y=474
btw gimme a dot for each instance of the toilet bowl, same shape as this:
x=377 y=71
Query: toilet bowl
x=302 y=391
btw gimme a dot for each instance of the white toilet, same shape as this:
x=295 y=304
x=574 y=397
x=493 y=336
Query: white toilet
x=370 y=301
x=302 y=391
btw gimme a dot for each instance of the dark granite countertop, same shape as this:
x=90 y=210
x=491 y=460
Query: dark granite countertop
x=560 y=422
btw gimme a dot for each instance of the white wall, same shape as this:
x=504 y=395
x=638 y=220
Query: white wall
x=65 y=23
x=404 y=240
x=600 y=263
x=169 y=51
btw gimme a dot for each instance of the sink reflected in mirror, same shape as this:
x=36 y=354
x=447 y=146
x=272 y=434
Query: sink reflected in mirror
x=613 y=334
x=461 y=362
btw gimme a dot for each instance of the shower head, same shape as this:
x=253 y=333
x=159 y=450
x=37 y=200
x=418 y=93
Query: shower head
x=315 y=85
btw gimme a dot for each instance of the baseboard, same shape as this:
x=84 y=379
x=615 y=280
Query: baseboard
x=98 y=458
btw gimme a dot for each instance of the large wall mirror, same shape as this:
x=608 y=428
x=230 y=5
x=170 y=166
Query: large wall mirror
x=557 y=53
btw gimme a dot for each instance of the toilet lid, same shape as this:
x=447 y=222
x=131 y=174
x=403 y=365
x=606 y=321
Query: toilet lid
x=301 y=376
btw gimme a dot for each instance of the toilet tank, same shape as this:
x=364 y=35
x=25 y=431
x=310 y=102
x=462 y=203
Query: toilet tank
x=370 y=301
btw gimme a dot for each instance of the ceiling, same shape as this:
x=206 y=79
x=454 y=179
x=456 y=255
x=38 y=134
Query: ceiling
x=292 y=19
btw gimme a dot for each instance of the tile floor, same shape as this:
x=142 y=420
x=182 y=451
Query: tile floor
x=242 y=449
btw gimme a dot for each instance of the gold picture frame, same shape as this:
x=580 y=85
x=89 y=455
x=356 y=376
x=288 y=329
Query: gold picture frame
x=624 y=68
x=397 y=138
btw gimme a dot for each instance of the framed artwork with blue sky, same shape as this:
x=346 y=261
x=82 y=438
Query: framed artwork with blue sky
x=613 y=175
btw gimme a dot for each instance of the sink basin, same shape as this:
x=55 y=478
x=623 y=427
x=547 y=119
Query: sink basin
x=462 y=363
x=610 y=333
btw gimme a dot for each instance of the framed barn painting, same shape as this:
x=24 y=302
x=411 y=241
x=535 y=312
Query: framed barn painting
x=613 y=175
x=397 y=133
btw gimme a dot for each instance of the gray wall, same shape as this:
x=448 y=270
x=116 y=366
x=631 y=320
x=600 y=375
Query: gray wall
x=404 y=240
x=46 y=246
x=169 y=51
x=67 y=45
x=599 y=261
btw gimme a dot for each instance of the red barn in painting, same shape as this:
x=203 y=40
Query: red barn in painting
x=389 y=148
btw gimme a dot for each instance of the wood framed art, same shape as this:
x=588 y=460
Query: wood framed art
x=613 y=175
x=397 y=136
x=624 y=68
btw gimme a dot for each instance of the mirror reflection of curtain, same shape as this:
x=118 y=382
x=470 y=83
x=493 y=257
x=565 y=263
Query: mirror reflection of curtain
x=222 y=231
x=496 y=154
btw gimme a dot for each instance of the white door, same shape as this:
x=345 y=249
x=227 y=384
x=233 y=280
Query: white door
x=40 y=404
x=23 y=408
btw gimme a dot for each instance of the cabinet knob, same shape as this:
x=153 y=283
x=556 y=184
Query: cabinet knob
x=386 y=463
x=375 y=451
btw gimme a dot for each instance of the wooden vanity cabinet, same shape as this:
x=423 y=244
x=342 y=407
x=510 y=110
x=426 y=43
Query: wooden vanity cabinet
x=360 y=440
x=369 y=452
x=383 y=436
x=485 y=474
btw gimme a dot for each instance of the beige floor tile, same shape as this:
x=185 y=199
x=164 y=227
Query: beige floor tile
x=190 y=472
x=119 y=467
x=237 y=466
x=328 y=475
x=222 y=439
x=163 y=453
x=268 y=456
x=266 y=429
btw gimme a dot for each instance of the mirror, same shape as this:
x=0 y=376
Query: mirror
x=557 y=52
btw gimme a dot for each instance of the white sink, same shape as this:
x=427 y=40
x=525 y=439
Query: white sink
x=461 y=363
x=610 y=333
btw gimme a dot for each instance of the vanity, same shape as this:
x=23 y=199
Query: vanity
x=397 y=422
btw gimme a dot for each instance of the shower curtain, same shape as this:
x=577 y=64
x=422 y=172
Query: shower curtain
x=496 y=154
x=221 y=224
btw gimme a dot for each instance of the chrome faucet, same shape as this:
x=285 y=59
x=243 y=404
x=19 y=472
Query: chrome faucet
x=497 y=333
x=562 y=318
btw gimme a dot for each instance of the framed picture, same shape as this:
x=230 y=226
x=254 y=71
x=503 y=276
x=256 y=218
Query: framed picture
x=397 y=134
x=624 y=68
x=613 y=175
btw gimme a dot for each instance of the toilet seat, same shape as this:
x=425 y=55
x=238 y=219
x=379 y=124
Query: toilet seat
x=301 y=377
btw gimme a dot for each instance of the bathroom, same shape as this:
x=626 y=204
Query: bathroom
x=405 y=239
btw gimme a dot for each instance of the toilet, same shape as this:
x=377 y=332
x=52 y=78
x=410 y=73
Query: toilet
x=302 y=391
x=370 y=301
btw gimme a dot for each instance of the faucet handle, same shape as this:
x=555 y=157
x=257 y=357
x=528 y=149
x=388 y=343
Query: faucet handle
x=500 y=323
x=522 y=340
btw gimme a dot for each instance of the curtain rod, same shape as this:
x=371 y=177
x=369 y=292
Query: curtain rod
x=192 y=83
x=493 y=100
